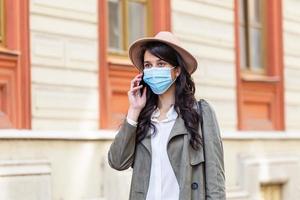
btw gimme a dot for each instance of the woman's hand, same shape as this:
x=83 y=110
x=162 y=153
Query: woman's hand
x=137 y=101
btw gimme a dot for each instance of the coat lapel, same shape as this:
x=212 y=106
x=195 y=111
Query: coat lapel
x=147 y=142
x=178 y=129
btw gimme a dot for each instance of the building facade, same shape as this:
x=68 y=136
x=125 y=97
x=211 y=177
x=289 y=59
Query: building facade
x=65 y=73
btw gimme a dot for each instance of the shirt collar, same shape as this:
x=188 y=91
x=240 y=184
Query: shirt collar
x=171 y=115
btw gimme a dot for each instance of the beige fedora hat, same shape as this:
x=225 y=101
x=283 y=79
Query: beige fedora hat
x=167 y=38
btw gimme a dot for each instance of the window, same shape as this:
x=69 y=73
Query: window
x=127 y=21
x=271 y=191
x=2 y=21
x=120 y=23
x=251 y=36
x=259 y=64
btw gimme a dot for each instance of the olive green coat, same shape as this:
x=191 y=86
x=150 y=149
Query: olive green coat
x=200 y=173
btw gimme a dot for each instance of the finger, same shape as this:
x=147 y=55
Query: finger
x=135 y=81
x=136 y=88
x=138 y=76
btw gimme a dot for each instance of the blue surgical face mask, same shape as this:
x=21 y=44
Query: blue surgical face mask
x=158 y=78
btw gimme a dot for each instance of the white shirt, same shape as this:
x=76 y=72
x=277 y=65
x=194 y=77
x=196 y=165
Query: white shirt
x=163 y=184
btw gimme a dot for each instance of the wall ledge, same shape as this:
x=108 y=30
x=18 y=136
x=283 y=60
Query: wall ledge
x=261 y=135
x=19 y=134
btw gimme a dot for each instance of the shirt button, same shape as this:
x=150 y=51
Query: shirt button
x=194 y=186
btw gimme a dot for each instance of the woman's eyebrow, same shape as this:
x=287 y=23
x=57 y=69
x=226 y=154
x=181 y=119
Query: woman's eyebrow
x=158 y=60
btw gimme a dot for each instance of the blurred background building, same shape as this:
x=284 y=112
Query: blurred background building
x=64 y=77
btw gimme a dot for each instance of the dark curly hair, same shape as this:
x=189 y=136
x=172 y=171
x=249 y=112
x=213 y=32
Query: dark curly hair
x=184 y=96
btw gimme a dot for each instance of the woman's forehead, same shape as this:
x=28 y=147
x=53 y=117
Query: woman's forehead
x=148 y=57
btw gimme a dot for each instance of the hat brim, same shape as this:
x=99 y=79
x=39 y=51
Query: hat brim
x=135 y=54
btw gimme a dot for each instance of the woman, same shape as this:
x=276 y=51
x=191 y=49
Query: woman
x=172 y=144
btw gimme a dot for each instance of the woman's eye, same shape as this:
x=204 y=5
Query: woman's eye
x=161 y=64
x=146 y=66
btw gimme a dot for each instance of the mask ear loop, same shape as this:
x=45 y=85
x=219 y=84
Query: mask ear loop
x=175 y=74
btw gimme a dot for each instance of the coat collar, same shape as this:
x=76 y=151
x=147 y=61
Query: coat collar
x=178 y=129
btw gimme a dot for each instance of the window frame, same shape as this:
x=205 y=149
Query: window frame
x=15 y=63
x=125 y=23
x=2 y=23
x=118 y=68
x=262 y=89
x=249 y=69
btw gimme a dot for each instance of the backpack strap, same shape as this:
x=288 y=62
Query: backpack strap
x=200 y=113
x=200 y=109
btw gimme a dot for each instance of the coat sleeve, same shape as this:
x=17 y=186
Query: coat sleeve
x=122 y=150
x=214 y=157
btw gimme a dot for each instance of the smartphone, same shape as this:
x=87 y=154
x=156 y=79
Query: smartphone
x=143 y=84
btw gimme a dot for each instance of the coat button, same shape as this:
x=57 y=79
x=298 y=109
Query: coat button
x=194 y=186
